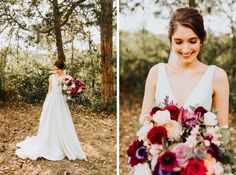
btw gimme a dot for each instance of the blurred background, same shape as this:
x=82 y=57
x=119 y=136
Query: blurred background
x=144 y=43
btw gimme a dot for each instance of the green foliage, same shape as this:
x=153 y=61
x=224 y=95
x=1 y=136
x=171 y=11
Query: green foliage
x=100 y=106
x=25 y=78
x=139 y=52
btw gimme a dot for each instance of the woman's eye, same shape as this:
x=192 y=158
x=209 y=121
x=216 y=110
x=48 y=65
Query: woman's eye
x=193 y=42
x=178 y=42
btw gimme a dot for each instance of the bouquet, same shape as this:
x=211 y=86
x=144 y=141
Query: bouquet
x=71 y=87
x=181 y=141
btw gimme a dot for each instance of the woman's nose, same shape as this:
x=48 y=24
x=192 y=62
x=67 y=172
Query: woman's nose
x=185 y=48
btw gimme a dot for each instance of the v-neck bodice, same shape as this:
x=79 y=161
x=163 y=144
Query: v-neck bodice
x=56 y=86
x=200 y=95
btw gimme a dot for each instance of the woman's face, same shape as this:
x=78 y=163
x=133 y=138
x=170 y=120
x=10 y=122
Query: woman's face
x=57 y=70
x=186 y=44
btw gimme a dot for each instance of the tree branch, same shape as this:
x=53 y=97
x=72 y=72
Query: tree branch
x=69 y=12
x=19 y=24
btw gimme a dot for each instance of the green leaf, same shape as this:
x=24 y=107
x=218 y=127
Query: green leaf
x=192 y=108
x=225 y=135
x=227 y=158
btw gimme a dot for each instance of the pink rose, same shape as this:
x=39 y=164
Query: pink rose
x=183 y=154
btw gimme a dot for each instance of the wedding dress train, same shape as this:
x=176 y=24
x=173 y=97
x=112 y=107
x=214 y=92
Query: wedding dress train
x=56 y=137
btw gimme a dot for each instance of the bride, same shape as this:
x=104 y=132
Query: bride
x=56 y=137
x=185 y=79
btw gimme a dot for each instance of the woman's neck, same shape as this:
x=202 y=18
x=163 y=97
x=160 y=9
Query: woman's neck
x=180 y=65
x=59 y=75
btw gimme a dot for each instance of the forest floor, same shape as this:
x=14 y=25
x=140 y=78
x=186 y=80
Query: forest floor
x=129 y=115
x=97 y=134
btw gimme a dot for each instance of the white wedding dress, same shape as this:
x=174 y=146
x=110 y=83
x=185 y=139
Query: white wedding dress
x=56 y=137
x=200 y=96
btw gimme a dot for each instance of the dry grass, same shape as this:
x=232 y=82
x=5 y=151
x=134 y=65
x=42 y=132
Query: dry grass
x=97 y=133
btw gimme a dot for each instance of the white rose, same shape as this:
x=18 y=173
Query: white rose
x=214 y=167
x=142 y=133
x=161 y=117
x=73 y=85
x=195 y=130
x=155 y=150
x=174 y=130
x=191 y=141
x=210 y=119
x=65 y=87
x=142 y=169
x=215 y=133
x=206 y=142
x=218 y=169
x=154 y=162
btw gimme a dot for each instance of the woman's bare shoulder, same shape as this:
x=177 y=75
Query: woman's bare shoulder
x=153 y=74
x=220 y=75
x=50 y=76
x=154 y=70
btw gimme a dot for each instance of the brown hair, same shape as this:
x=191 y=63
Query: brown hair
x=60 y=64
x=190 y=18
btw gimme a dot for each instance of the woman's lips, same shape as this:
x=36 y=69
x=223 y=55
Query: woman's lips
x=186 y=55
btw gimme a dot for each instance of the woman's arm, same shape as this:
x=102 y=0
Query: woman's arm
x=221 y=96
x=149 y=94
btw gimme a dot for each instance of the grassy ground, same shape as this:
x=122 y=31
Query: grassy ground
x=97 y=133
x=129 y=115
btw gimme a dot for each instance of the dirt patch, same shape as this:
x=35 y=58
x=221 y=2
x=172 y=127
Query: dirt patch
x=97 y=134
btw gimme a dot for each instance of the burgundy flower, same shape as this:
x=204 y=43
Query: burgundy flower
x=168 y=161
x=137 y=153
x=214 y=151
x=208 y=137
x=69 y=83
x=79 y=83
x=74 y=90
x=157 y=134
x=194 y=167
x=200 y=111
x=189 y=119
x=154 y=110
x=174 y=111
x=158 y=171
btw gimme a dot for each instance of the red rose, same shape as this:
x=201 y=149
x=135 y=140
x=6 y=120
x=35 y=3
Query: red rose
x=174 y=111
x=194 y=167
x=154 y=110
x=157 y=134
x=74 y=90
x=200 y=111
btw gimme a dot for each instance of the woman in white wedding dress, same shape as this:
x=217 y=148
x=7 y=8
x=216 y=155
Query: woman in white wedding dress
x=56 y=137
x=185 y=79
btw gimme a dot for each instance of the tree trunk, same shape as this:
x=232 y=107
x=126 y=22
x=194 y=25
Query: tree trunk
x=57 y=30
x=192 y=3
x=107 y=86
x=92 y=62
